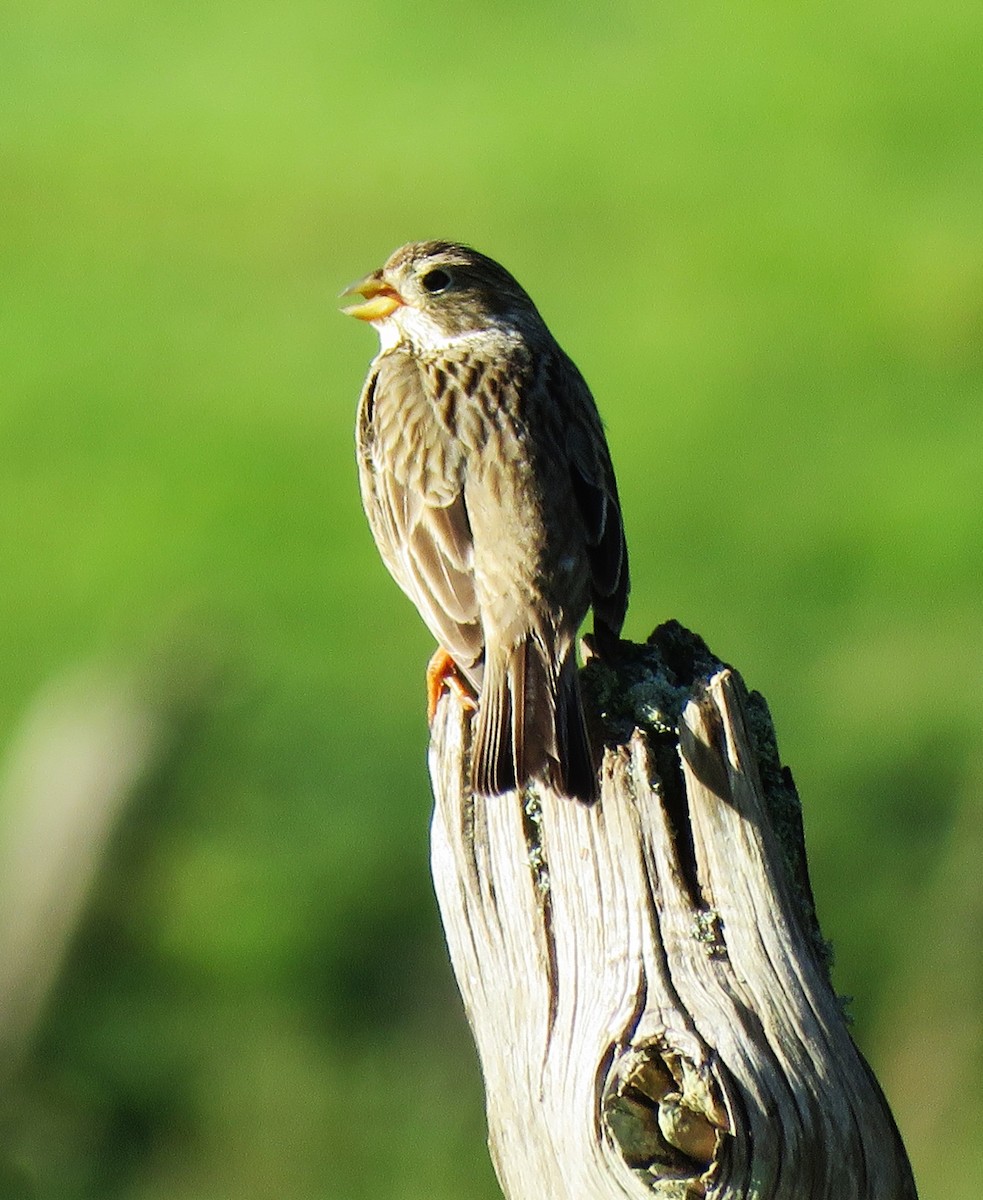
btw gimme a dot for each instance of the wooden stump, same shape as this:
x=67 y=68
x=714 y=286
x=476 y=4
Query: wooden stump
x=645 y=978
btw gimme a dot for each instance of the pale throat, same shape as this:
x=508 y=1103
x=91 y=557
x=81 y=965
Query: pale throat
x=422 y=334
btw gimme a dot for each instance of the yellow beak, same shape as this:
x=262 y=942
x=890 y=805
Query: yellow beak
x=380 y=298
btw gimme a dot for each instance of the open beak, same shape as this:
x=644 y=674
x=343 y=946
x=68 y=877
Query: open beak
x=379 y=298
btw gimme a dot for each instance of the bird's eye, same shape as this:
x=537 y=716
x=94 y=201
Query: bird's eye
x=436 y=280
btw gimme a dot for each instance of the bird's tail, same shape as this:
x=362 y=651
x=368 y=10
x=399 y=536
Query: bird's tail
x=530 y=725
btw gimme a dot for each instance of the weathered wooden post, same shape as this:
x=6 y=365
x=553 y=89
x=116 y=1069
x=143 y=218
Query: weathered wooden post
x=645 y=978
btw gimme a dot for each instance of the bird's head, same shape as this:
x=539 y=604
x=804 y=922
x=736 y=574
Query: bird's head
x=431 y=292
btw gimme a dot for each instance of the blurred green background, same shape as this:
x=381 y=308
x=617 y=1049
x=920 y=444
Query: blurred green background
x=758 y=229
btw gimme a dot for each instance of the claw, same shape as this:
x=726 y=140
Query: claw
x=443 y=672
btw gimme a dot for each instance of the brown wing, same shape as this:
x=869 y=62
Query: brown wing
x=411 y=475
x=596 y=494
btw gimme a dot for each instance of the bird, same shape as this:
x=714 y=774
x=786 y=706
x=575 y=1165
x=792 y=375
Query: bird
x=488 y=486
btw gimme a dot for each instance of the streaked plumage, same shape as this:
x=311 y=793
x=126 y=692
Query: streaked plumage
x=488 y=486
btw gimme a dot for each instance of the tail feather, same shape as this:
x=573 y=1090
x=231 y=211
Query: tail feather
x=520 y=682
x=492 y=759
x=530 y=725
x=576 y=756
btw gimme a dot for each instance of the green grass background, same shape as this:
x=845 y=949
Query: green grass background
x=758 y=228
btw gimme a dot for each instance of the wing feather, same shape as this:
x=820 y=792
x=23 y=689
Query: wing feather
x=412 y=490
x=596 y=494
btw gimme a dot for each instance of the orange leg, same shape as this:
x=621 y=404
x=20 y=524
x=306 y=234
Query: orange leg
x=442 y=673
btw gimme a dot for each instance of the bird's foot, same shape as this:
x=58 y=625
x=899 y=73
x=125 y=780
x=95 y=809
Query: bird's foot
x=442 y=672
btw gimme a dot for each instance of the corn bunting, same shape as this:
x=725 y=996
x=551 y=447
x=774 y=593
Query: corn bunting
x=489 y=490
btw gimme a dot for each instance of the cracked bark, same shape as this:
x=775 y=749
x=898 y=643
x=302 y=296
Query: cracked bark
x=645 y=978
